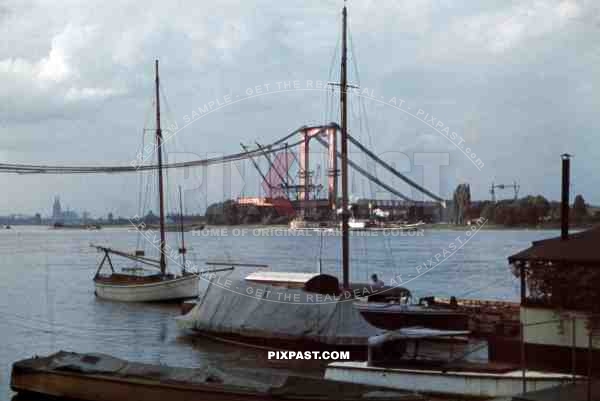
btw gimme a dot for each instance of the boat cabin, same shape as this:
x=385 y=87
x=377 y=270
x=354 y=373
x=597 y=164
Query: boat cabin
x=281 y=279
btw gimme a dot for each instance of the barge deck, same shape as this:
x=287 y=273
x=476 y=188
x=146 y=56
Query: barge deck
x=99 y=377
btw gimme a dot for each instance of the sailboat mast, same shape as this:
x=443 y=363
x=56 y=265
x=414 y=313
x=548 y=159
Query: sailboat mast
x=344 y=140
x=182 y=250
x=161 y=198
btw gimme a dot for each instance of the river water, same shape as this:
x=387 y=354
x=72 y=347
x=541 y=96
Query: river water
x=47 y=300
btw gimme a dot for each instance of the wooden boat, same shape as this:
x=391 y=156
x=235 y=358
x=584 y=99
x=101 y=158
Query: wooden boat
x=394 y=316
x=299 y=223
x=356 y=224
x=410 y=226
x=161 y=286
x=389 y=366
x=62 y=226
x=98 y=377
x=473 y=382
x=311 y=312
x=487 y=318
x=145 y=288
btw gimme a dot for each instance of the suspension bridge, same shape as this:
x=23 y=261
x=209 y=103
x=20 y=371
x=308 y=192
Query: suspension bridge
x=286 y=154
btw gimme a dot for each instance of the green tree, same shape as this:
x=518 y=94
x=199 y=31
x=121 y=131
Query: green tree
x=488 y=212
x=462 y=202
x=579 y=209
x=223 y=213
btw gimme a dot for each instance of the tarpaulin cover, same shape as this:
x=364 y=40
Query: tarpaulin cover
x=109 y=366
x=99 y=376
x=265 y=311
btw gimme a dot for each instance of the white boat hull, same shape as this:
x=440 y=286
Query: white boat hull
x=177 y=288
x=357 y=225
x=474 y=384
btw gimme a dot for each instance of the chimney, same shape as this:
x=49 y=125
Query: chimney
x=564 y=207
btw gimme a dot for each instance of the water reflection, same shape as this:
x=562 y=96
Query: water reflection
x=47 y=301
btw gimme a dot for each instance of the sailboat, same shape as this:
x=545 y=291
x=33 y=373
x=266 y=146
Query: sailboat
x=229 y=316
x=129 y=285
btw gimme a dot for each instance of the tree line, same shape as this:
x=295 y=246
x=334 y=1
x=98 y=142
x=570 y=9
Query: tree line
x=527 y=211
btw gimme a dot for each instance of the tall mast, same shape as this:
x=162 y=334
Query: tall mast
x=182 y=250
x=161 y=198
x=344 y=123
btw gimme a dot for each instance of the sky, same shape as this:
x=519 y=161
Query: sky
x=514 y=80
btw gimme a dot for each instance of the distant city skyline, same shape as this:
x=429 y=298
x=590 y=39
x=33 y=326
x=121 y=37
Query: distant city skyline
x=78 y=213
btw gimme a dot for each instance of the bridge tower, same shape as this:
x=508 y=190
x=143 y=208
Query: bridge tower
x=330 y=133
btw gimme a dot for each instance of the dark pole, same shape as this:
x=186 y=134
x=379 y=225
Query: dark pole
x=181 y=226
x=589 y=367
x=163 y=261
x=523 y=283
x=564 y=206
x=344 y=135
x=573 y=350
x=287 y=168
x=522 y=336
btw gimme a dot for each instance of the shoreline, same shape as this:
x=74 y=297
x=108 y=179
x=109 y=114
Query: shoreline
x=427 y=226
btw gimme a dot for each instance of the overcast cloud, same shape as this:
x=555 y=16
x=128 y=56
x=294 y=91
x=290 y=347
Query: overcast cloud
x=515 y=79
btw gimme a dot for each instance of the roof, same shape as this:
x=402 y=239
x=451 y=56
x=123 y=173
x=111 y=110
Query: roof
x=582 y=248
x=268 y=277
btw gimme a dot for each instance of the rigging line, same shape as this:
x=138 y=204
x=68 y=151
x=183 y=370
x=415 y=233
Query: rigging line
x=140 y=189
x=171 y=125
x=395 y=172
x=362 y=109
x=150 y=183
x=367 y=174
x=166 y=178
x=143 y=205
x=326 y=115
x=332 y=65
x=320 y=255
x=167 y=107
x=334 y=105
x=356 y=115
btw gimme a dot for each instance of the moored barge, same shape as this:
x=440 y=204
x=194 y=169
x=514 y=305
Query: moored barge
x=98 y=377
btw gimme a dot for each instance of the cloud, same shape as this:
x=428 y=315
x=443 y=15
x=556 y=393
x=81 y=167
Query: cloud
x=479 y=35
x=95 y=51
x=54 y=84
x=77 y=79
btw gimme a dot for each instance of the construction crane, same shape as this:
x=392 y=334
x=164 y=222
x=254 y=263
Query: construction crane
x=515 y=187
